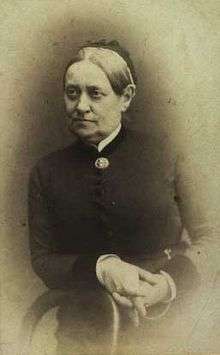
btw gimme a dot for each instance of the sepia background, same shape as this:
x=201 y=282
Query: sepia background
x=175 y=48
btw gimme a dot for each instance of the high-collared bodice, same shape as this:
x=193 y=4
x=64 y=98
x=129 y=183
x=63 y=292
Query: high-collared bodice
x=127 y=207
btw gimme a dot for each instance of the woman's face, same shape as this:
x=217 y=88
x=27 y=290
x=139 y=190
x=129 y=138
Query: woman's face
x=93 y=109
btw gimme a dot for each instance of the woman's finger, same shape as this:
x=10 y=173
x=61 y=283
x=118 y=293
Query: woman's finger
x=135 y=318
x=139 y=305
x=147 y=276
x=131 y=287
x=122 y=300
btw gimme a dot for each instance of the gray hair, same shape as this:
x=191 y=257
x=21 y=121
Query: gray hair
x=118 y=68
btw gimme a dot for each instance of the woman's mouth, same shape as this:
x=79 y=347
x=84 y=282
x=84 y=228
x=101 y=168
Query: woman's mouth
x=83 y=121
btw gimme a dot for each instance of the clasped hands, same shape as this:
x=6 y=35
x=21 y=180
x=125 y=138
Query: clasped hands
x=132 y=286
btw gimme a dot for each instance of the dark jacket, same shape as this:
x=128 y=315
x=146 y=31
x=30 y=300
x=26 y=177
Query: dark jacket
x=135 y=208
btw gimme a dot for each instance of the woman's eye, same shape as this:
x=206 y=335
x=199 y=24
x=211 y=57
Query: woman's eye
x=72 y=93
x=96 y=94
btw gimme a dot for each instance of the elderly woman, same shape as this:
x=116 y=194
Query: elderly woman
x=108 y=212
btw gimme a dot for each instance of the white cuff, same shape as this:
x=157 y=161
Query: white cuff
x=172 y=285
x=99 y=266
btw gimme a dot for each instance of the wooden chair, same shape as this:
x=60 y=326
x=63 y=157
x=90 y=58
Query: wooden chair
x=60 y=298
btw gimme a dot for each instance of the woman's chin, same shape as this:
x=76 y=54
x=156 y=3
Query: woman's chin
x=84 y=133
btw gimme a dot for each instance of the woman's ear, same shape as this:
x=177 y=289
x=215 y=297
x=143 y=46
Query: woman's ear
x=127 y=96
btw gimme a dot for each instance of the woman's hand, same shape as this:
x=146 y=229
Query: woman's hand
x=156 y=290
x=123 y=278
x=132 y=286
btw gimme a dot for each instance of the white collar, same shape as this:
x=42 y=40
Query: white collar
x=108 y=139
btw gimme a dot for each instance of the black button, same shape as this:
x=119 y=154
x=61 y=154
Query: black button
x=99 y=192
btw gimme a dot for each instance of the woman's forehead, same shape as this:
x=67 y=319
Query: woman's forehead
x=86 y=73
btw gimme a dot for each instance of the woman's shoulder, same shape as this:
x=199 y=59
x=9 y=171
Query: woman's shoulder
x=152 y=143
x=55 y=159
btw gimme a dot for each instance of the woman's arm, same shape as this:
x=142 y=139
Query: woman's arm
x=197 y=200
x=56 y=270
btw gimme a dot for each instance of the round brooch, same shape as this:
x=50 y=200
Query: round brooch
x=101 y=163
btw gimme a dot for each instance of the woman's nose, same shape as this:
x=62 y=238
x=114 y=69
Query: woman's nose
x=83 y=103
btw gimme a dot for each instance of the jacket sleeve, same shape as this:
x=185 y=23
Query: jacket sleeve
x=56 y=270
x=197 y=200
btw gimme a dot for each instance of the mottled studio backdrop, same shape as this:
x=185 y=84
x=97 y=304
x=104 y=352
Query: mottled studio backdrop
x=175 y=48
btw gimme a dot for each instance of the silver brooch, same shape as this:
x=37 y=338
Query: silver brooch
x=101 y=163
x=168 y=252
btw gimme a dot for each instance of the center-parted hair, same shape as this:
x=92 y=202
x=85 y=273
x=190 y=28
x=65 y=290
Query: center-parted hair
x=112 y=59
